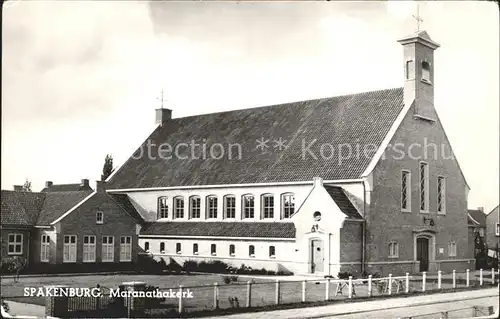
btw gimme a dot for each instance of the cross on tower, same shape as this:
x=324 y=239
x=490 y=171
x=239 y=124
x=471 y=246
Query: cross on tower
x=418 y=18
x=161 y=99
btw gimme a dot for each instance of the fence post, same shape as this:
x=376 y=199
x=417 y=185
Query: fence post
x=390 y=284
x=350 y=287
x=216 y=295
x=181 y=304
x=369 y=285
x=424 y=275
x=407 y=288
x=444 y=315
x=474 y=311
x=492 y=276
x=249 y=294
x=277 y=291
x=481 y=277
x=454 y=279
x=439 y=279
x=467 y=278
x=304 y=283
x=327 y=289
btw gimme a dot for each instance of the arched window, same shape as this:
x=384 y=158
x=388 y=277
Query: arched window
x=272 y=252
x=162 y=248
x=288 y=205
x=229 y=207
x=178 y=248
x=231 y=250
x=213 y=250
x=251 y=251
x=248 y=206
x=146 y=246
x=194 y=207
x=179 y=207
x=211 y=206
x=268 y=206
x=426 y=72
x=195 y=249
x=162 y=207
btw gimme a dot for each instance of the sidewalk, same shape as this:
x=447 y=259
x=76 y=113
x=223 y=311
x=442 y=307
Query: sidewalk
x=24 y=309
x=364 y=306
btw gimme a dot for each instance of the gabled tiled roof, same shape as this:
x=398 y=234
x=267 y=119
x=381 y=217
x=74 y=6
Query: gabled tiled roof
x=124 y=202
x=363 y=119
x=221 y=229
x=343 y=202
x=478 y=216
x=67 y=188
x=58 y=203
x=20 y=208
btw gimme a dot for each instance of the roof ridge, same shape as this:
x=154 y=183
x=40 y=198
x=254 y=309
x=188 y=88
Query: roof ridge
x=291 y=102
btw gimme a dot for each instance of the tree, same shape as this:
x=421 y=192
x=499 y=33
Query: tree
x=107 y=168
x=27 y=186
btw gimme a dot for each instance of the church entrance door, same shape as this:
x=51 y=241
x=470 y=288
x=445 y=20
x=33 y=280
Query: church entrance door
x=317 y=256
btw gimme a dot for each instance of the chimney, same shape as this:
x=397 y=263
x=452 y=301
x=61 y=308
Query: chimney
x=84 y=183
x=418 y=50
x=100 y=186
x=48 y=184
x=18 y=188
x=481 y=209
x=163 y=115
x=317 y=181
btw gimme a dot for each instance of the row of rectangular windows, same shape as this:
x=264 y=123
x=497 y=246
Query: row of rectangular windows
x=213 y=249
x=394 y=249
x=211 y=208
x=423 y=190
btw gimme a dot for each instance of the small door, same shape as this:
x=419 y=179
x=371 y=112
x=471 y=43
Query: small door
x=423 y=253
x=317 y=254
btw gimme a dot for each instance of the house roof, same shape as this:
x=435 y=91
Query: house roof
x=57 y=204
x=343 y=202
x=20 y=208
x=357 y=119
x=124 y=202
x=471 y=222
x=67 y=188
x=221 y=229
x=478 y=216
x=493 y=210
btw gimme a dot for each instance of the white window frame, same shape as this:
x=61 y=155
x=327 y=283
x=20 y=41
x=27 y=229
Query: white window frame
x=194 y=206
x=425 y=186
x=269 y=209
x=105 y=251
x=452 y=249
x=250 y=209
x=98 y=220
x=441 y=192
x=125 y=248
x=497 y=229
x=408 y=69
x=164 y=250
x=406 y=174
x=89 y=249
x=393 y=249
x=178 y=248
x=44 y=248
x=72 y=249
x=229 y=208
x=178 y=207
x=232 y=250
x=213 y=249
x=250 y=249
x=195 y=249
x=212 y=211
x=287 y=208
x=271 y=255
x=162 y=209
x=147 y=246
x=15 y=243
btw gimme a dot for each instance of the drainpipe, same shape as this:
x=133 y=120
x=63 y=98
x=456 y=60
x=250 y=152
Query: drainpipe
x=329 y=252
x=363 y=230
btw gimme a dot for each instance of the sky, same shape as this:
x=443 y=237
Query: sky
x=82 y=79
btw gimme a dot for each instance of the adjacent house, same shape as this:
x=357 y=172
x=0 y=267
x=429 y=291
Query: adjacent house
x=68 y=224
x=493 y=229
x=366 y=182
x=478 y=218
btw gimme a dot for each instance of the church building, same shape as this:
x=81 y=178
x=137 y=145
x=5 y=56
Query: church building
x=366 y=182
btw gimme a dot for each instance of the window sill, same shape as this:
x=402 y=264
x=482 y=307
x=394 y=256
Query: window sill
x=426 y=81
x=125 y=260
x=441 y=213
x=69 y=261
x=162 y=252
x=108 y=261
x=252 y=256
x=89 y=261
x=232 y=255
x=99 y=223
x=406 y=211
x=179 y=252
x=393 y=257
x=272 y=257
x=15 y=254
x=213 y=254
x=424 y=212
x=195 y=254
x=44 y=261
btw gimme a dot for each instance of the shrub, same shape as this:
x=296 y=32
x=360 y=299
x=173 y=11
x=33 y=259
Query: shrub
x=344 y=275
x=229 y=279
x=190 y=266
x=5 y=306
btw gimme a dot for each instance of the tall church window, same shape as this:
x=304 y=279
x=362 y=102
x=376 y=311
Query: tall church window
x=230 y=206
x=211 y=207
x=405 y=191
x=178 y=207
x=288 y=202
x=162 y=207
x=248 y=206
x=195 y=206
x=424 y=173
x=268 y=206
x=441 y=195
